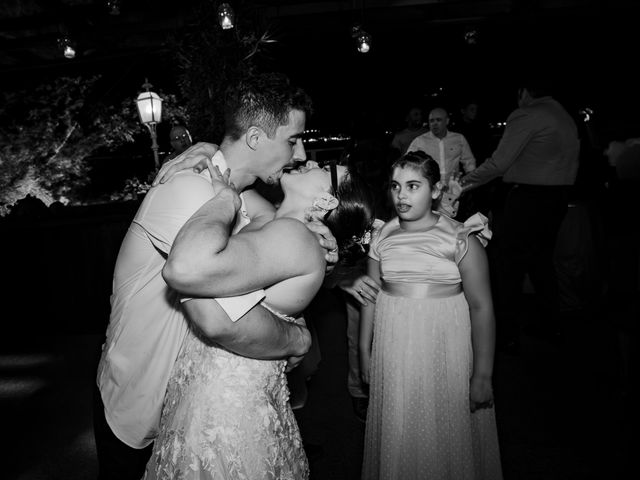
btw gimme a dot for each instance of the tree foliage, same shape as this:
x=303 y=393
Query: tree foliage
x=48 y=133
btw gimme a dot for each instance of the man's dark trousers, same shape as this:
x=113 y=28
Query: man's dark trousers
x=531 y=220
x=116 y=460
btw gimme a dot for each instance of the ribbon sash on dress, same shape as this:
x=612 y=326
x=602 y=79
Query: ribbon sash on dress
x=421 y=290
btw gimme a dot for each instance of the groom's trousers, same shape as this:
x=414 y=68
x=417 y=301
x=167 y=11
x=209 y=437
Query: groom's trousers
x=116 y=460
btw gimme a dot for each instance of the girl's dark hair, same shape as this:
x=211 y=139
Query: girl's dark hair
x=424 y=163
x=352 y=217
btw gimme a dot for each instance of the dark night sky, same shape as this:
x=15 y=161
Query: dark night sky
x=586 y=53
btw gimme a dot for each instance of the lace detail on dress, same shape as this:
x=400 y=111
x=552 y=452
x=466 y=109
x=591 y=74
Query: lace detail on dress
x=227 y=417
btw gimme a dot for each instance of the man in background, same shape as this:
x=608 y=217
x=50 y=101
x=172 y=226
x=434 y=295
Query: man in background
x=451 y=151
x=180 y=139
x=537 y=158
x=415 y=127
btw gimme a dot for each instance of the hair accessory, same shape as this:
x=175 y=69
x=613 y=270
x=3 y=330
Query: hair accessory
x=364 y=240
x=321 y=206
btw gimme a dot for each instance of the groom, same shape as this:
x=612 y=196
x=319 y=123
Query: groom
x=265 y=118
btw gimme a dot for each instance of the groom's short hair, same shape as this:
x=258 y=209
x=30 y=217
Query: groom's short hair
x=262 y=100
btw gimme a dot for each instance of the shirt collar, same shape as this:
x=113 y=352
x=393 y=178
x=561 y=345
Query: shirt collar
x=430 y=133
x=219 y=160
x=534 y=101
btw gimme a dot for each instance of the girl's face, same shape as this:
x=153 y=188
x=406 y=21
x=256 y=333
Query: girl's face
x=412 y=194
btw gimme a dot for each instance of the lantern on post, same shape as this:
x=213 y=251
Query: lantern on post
x=150 y=110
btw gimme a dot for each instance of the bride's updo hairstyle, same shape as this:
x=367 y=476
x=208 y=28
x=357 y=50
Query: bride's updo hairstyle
x=351 y=221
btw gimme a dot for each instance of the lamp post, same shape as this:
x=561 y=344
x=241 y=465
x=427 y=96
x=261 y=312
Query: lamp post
x=150 y=110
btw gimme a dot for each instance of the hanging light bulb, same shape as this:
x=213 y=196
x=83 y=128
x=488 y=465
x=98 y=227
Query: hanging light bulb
x=471 y=37
x=364 y=42
x=226 y=16
x=69 y=52
x=363 y=39
x=114 y=7
x=67 y=47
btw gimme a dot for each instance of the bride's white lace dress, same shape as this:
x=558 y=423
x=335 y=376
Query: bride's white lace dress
x=227 y=417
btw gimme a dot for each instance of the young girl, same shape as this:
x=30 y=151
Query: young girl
x=427 y=344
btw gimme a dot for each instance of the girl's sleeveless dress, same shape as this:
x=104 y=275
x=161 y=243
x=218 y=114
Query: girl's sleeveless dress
x=419 y=425
x=227 y=417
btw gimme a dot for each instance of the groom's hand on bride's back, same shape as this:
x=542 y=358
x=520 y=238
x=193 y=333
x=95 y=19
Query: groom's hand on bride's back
x=294 y=360
x=327 y=241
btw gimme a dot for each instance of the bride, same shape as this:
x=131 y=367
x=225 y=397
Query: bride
x=226 y=416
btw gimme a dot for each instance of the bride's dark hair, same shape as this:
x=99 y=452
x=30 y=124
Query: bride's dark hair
x=353 y=217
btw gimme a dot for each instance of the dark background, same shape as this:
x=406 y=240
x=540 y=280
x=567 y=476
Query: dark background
x=419 y=52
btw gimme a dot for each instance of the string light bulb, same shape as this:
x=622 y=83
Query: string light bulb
x=67 y=47
x=363 y=39
x=471 y=37
x=364 y=42
x=114 y=7
x=226 y=16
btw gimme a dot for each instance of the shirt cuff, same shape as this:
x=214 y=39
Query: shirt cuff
x=236 y=307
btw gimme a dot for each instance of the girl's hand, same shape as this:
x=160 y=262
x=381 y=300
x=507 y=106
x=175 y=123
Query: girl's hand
x=361 y=287
x=365 y=366
x=196 y=157
x=480 y=393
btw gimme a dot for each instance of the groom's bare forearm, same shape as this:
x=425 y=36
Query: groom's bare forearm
x=258 y=334
x=194 y=256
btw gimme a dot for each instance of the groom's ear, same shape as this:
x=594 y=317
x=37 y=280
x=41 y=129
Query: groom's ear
x=252 y=137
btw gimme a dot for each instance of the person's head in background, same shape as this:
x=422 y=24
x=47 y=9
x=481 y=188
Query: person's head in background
x=414 y=118
x=469 y=111
x=531 y=88
x=438 y=122
x=180 y=139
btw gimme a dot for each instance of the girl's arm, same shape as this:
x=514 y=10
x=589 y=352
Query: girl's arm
x=366 y=324
x=474 y=270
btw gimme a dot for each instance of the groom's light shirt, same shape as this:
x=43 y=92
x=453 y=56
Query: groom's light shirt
x=147 y=325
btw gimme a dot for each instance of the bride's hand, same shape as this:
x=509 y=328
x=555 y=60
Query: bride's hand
x=196 y=157
x=223 y=186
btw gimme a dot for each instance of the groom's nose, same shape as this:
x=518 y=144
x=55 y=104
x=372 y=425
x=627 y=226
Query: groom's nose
x=298 y=151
